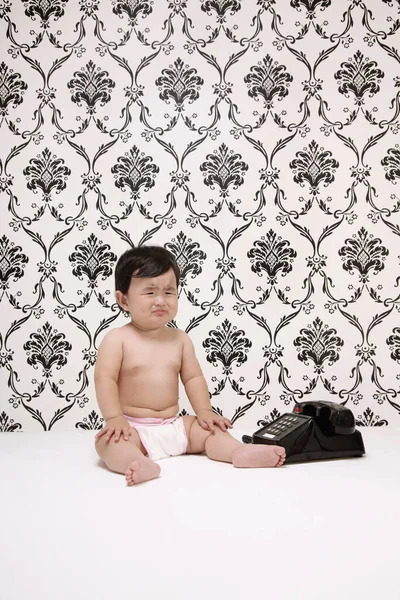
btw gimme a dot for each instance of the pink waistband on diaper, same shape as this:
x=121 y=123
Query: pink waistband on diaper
x=149 y=421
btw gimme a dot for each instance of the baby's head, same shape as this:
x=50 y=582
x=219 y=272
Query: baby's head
x=143 y=261
x=146 y=284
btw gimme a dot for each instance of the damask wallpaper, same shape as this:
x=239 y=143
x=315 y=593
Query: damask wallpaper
x=256 y=140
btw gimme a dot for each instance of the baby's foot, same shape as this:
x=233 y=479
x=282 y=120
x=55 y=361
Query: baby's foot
x=258 y=456
x=141 y=470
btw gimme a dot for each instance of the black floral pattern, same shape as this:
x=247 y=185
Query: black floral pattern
x=92 y=259
x=223 y=168
x=258 y=144
x=391 y=163
x=369 y=419
x=6 y=355
x=271 y=254
x=315 y=166
x=268 y=79
x=179 y=83
x=93 y=422
x=221 y=7
x=7 y=424
x=91 y=85
x=5 y=8
x=132 y=8
x=44 y=9
x=89 y=7
x=310 y=5
x=12 y=262
x=318 y=343
x=135 y=170
x=227 y=345
x=47 y=348
x=188 y=255
x=363 y=253
x=12 y=89
x=393 y=342
x=359 y=76
x=47 y=172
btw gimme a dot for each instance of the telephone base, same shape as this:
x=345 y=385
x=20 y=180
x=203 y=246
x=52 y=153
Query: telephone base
x=311 y=456
x=307 y=438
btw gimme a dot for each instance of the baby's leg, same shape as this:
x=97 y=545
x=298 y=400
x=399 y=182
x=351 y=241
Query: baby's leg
x=127 y=457
x=223 y=447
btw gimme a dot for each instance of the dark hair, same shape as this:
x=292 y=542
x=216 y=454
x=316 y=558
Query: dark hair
x=144 y=261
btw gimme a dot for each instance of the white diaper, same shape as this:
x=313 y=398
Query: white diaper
x=161 y=437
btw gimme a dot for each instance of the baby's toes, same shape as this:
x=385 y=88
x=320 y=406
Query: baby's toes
x=130 y=473
x=128 y=477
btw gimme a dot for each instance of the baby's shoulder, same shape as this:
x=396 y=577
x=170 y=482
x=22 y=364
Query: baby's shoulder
x=175 y=335
x=114 y=336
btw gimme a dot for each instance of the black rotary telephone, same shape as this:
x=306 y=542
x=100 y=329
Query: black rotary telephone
x=313 y=431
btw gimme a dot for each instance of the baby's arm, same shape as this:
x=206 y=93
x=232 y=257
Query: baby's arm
x=108 y=364
x=196 y=389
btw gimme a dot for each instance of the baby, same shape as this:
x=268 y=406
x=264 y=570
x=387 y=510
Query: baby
x=136 y=379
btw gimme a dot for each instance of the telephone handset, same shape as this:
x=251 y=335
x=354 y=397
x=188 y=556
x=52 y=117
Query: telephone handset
x=315 y=430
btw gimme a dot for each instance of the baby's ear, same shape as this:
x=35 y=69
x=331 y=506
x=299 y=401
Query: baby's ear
x=121 y=299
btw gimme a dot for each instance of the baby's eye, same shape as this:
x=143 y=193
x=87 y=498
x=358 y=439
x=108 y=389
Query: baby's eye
x=149 y=294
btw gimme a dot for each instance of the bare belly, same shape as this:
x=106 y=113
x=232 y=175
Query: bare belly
x=149 y=413
x=157 y=399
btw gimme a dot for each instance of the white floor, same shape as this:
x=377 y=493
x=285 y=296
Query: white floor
x=71 y=530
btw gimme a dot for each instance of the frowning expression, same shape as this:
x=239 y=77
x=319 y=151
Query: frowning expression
x=151 y=301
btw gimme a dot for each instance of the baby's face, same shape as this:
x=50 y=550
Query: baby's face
x=151 y=301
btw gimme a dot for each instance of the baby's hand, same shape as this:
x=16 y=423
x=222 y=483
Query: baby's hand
x=207 y=418
x=115 y=427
